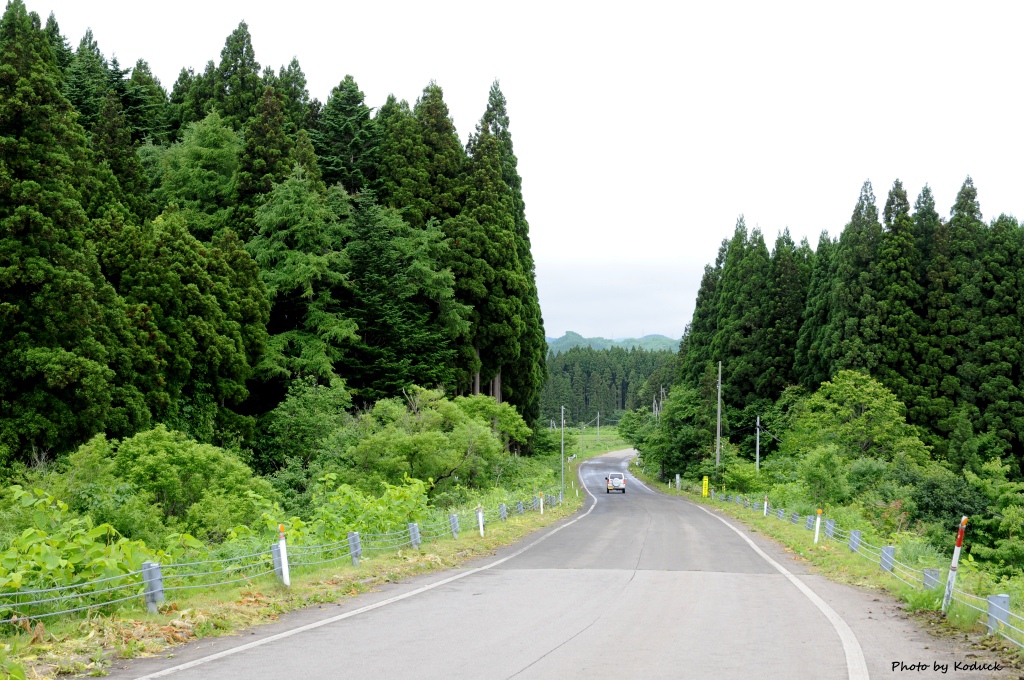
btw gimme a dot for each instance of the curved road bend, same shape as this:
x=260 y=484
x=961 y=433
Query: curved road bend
x=642 y=586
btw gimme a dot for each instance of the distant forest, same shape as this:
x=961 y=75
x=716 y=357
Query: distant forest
x=587 y=380
x=648 y=342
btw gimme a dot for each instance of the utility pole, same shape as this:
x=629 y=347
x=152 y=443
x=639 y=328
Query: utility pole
x=598 y=427
x=718 y=430
x=757 y=446
x=563 y=452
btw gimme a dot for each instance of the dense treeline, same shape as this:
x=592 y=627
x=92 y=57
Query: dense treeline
x=587 y=380
x=885 y=368
x=929 y=306
x=186 y=257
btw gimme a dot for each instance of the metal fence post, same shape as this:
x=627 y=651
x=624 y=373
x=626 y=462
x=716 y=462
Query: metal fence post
x=794 y=518
x=519 y=507
x=677 y=481
x=931 y=579
x=888 y=557
x=809 y=524
x=154 y=580
x=998 y=612
x=712 y=494
x=355 y=547
x=414 y=535
x=453 y=522
x=830 y=527
x=275 y=553
x=855 y=540
x=766 y=506
x=480 y=520
x=503 y=512
x=781 y=513
x=286 y=578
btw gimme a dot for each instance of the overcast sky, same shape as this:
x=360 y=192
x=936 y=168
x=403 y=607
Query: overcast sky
x=644 y=129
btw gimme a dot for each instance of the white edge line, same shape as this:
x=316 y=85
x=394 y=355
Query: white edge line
x=856 y=666
x=317 y=624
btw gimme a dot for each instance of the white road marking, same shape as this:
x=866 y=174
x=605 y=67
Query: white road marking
x=856 y=666
x=361 y=610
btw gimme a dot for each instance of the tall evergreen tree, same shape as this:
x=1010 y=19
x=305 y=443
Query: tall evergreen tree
x=112 y=142
x=192 y=98
x=238 y=86
x=811 y=363
x=403 y=180
x=788 y=281
x=695 y=348
x=739 y=340
x=853 y=321
x=299 y=109
x=402 y=301
x=346 y=139
x=66 y=344
x=897 y=293
x=154 y=114
x=445 y=158
x=266 y=159
x=62 y=51
x=498 y=306
x=528 y=374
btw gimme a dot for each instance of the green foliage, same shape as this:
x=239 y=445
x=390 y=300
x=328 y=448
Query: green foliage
x=346 y=139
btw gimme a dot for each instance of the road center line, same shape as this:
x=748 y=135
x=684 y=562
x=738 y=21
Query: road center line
x=361 y=610
x=856 y=666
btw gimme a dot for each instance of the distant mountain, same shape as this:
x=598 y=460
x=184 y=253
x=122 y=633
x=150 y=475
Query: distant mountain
x=648 y=342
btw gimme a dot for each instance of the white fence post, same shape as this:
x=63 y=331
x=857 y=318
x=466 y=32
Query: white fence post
x=453 y=522
x=414 y=535
x=480 y=520
x=951 y=580
x=888 y=557
x=817 y=526
x=286 y=578
x=542 y=504
x=677 y=481
x=766 y=505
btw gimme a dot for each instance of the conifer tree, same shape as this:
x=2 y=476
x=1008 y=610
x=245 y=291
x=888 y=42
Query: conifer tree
x=66 y=344
x=742 y=305
x=403 y=181
x=528 y=374
x=192 y=98
x=445 y=157
x=153 y=117
x=853 y=321
x=811 y=365
x=346 y=140
x=238 y=86
x=300 y=249
x=1000 y=351
x=402 y=301
x=88 y=81
x=789 y=278
x=298 y=107
x=936 y=401
x=62 y=52
x=895 y=280
x=695 y=348
x=113 y=145
x=497 y=299
x=266 y=159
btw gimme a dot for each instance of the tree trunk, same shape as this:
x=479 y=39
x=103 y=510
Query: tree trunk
x=496 y=387
x=476 y=378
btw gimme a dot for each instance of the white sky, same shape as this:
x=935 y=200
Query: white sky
x=643 y=129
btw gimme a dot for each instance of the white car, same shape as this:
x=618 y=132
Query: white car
x=616 y=482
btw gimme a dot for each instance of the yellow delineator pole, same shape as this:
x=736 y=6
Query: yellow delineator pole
x=704 y=488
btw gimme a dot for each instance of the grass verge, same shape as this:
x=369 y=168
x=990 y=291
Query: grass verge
x=88 y=646
x=835 y=561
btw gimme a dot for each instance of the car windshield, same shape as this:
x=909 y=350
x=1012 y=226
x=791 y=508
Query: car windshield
x=616 y=474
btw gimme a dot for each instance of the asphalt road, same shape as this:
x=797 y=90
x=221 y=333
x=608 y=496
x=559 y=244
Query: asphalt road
x=638 y=585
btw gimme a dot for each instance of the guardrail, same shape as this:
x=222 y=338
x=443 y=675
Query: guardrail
x=1001 y=620
x=154 y=582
